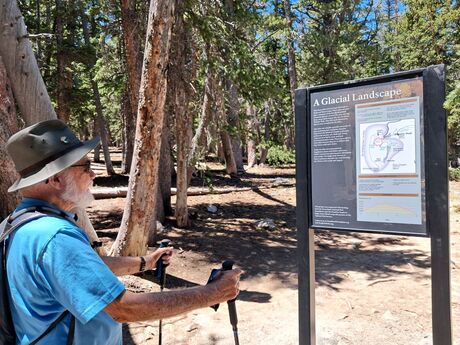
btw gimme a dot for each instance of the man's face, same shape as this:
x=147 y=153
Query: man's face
x=77 y=180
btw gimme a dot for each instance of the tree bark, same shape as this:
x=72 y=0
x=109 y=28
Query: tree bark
x=130 y=25
x=292 y=71
x=232 y=120
x=138 y=216
x=182 y=77
x=264 y=150
x=164 y=191
x=252 y=135
x=64 y=77
x=126 y=113
x=227 y=149
x=9 y=126
x=198 y=145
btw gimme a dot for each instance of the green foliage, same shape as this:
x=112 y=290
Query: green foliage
x=203 y=172
x=245 y=42
x=454 y=174
x=280 y=155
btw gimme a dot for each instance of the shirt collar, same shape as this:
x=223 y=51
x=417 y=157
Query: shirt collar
x=30 y=202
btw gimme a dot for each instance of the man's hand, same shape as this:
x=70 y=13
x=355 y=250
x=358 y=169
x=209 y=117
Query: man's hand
x=228 y=284
x=132 y=307
x=151 y=259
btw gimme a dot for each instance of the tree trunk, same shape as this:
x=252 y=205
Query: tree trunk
x=232 y=120
x=101 y=123
x=64 y=77
x=198 y=145
x=21 y=66
x=163 y=204
x=227 y=148
x=252 y=135
x=164 y=191
x=140 y=204
x=182 y=78
x=292 y=71
x=97 y=150
x=9 y=126
x=238 y=152
x=264 y=151
x=130 y=24
x=126 y=112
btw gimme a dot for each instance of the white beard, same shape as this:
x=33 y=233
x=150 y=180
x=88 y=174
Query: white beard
x=71 y=194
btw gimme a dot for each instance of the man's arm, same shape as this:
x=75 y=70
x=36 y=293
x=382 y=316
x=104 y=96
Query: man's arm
x=130 y=307
x=122 y=265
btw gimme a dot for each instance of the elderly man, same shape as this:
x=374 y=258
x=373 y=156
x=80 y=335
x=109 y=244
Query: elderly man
x=60 y=290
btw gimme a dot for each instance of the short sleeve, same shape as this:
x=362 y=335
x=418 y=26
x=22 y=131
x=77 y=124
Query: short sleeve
x=76 y=276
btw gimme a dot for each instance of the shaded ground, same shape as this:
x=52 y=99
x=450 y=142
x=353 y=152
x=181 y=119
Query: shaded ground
x=371 y=289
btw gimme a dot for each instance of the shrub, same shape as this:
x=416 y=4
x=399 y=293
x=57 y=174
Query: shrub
x=280 y=155
x=454 y=174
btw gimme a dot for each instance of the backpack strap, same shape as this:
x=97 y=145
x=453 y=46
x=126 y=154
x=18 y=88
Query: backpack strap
x=11 y=224
x=54 y=324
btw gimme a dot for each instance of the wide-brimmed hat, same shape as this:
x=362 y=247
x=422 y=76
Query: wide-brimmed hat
x=44 y=149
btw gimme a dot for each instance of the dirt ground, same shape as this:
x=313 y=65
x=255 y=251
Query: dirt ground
x=371 y=289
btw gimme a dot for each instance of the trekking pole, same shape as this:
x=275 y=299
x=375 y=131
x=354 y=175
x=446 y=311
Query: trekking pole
x=161 y=275
x=227 y=266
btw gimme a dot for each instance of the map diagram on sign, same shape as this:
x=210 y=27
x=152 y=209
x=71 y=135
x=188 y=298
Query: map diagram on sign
x=388 y=147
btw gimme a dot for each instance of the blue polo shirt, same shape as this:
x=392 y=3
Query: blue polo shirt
x=51 y=268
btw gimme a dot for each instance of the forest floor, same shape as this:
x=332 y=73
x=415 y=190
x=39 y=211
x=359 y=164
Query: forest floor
x=370 y=289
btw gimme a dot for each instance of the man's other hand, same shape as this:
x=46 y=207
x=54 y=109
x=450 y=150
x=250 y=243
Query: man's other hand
x=152 y=259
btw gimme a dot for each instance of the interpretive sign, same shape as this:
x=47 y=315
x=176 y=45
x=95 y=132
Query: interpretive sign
x=371 y=156
x=367 y=156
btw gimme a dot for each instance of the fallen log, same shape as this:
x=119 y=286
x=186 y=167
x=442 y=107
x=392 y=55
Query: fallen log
x=120 y=192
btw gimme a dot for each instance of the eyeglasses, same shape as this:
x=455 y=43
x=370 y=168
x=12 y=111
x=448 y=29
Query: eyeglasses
x=87 y=166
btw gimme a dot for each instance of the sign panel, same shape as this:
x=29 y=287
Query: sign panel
x=367 y=156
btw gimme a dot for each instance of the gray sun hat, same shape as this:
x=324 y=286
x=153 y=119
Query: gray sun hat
x=44 y=149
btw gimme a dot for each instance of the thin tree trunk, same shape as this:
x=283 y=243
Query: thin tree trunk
x=48 y=51
x=126 y=112
x=97 y=150
x=131 y=25
x=100 y=120
x=9 y=126
x=292 y=71
x=198 y=145
x=64 y=79
x=238 y=152
x=164 y=193
x=182 y=76
x=252 y=135
x=227 y=148
x=264 y=151
x=140 y=204
x=232 y=120
x=37 y=24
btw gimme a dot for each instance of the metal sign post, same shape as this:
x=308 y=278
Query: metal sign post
x=371 y=156
x=305 y=235
x=438 y=204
